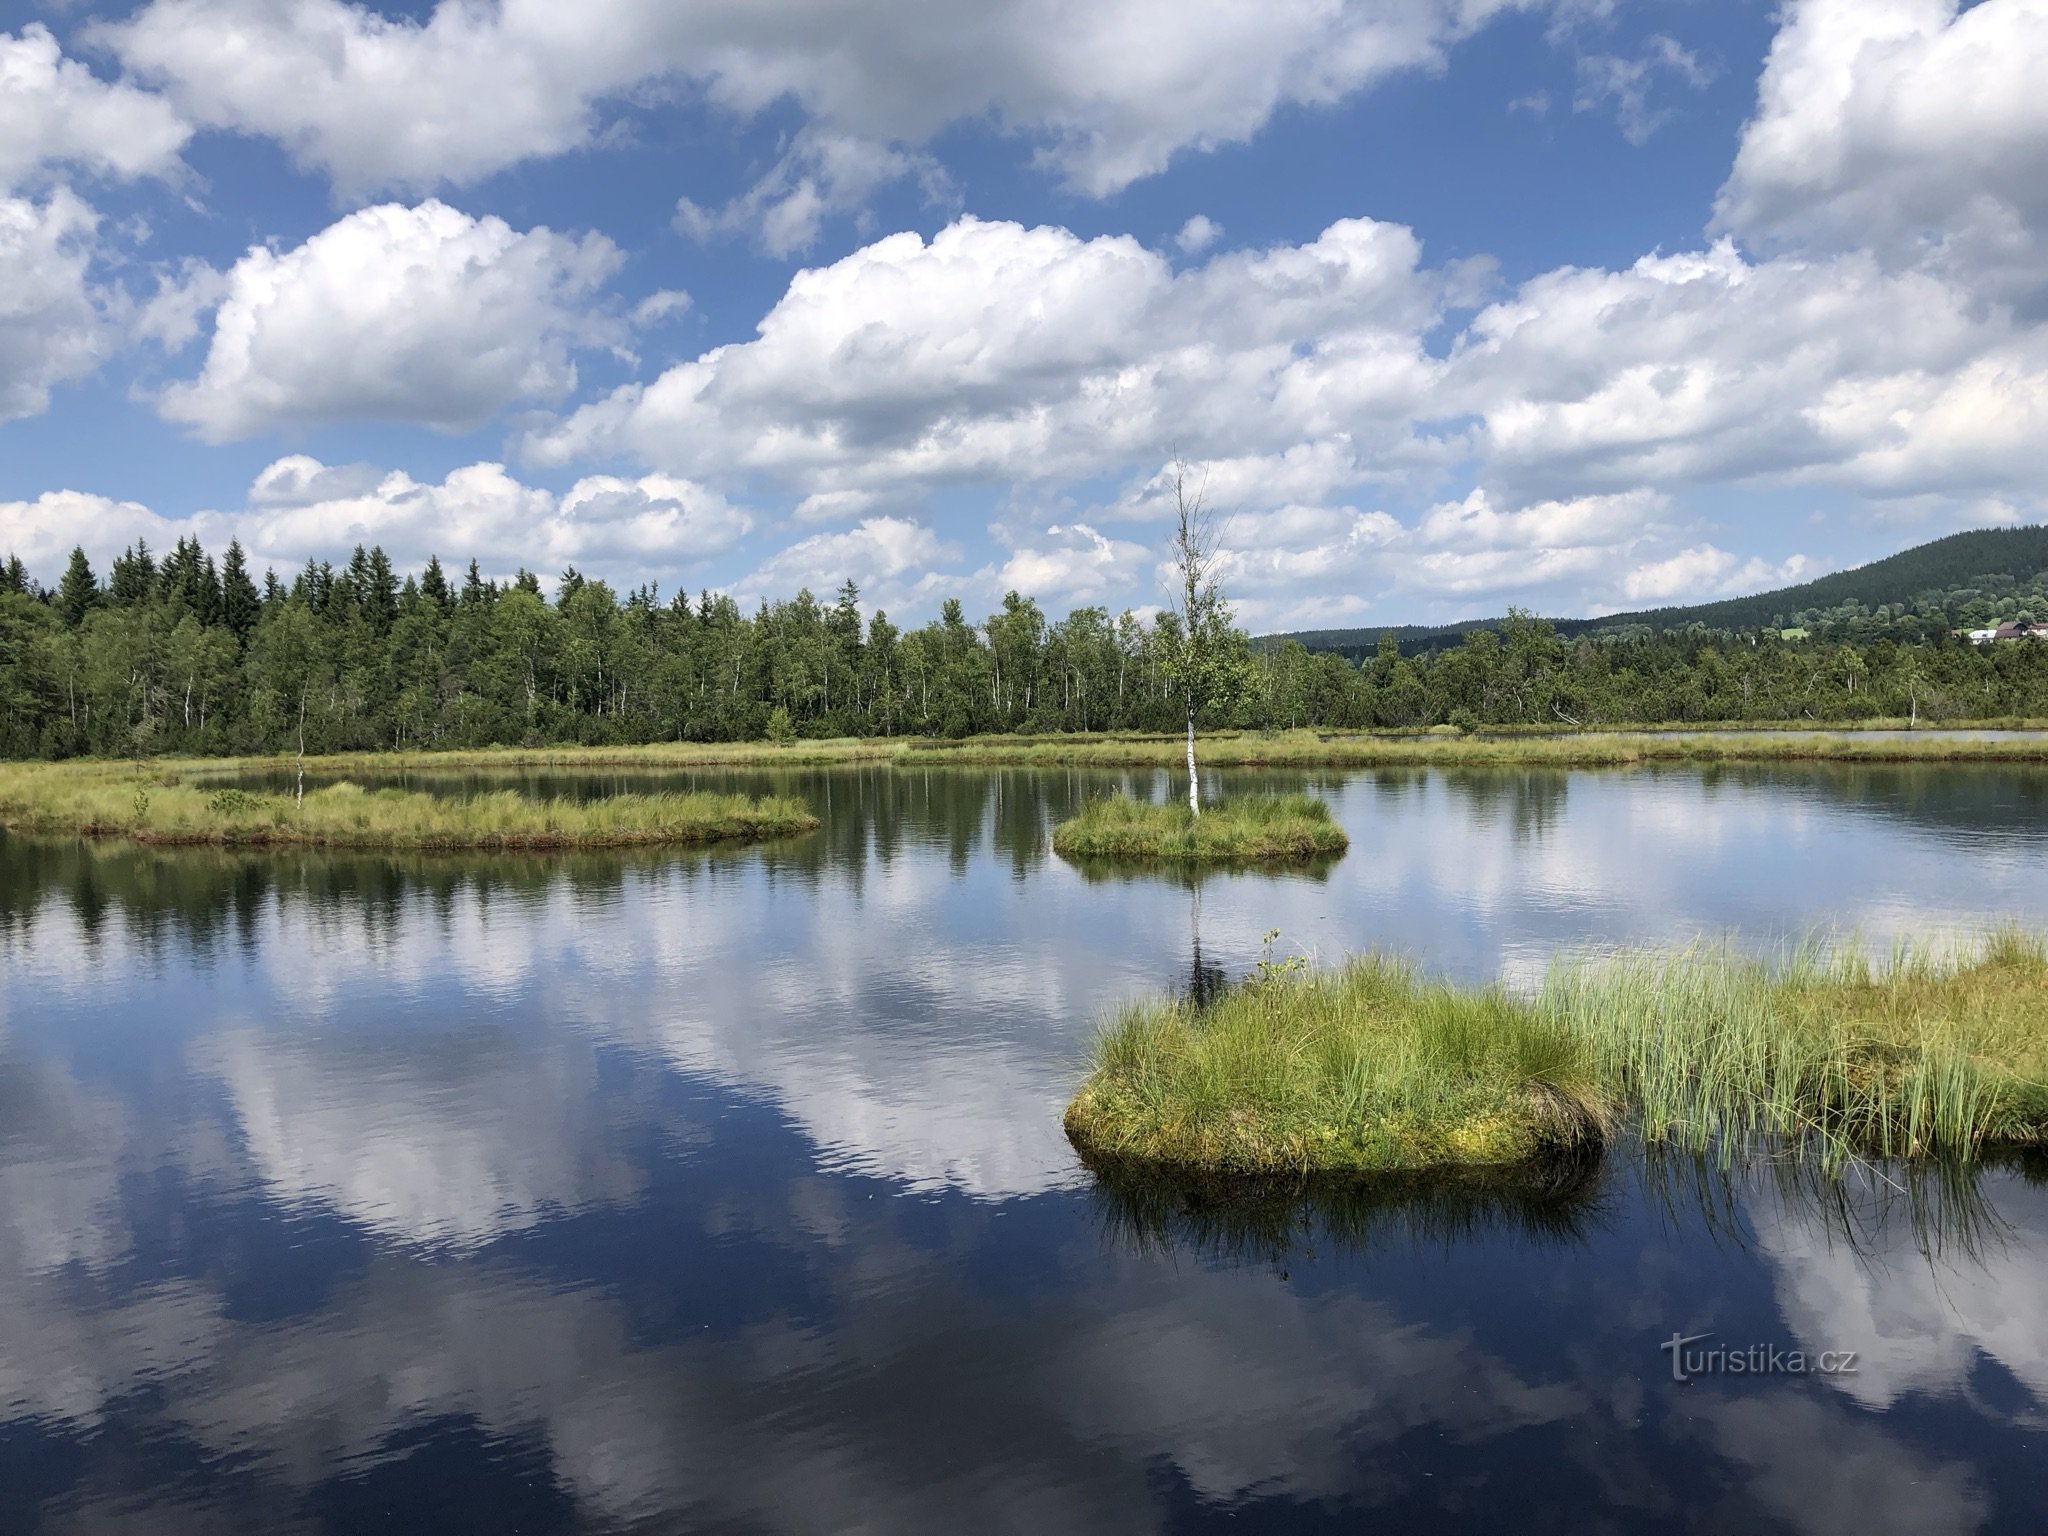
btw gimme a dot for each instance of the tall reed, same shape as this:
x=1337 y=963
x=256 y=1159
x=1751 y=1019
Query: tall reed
x=1925 y=1053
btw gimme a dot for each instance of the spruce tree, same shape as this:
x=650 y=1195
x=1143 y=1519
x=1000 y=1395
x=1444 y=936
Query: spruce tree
x=134 y=578
x=239 y=603
x=352 y=587
x=79 y=591
x=210 y=596
x=377 y=591
x=434 y=585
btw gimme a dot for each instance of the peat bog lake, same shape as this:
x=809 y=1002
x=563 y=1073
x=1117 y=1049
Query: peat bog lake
x=726 y=1188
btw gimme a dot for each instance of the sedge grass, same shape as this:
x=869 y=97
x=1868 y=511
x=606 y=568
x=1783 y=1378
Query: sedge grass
x=1365 y=1067
x=89 y=801
x=1923 y=1053
x=1246 y=828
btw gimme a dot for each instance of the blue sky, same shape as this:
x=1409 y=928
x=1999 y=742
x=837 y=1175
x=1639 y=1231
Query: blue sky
x=1580 y=304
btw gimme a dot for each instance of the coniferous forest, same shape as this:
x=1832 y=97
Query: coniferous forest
x=185 y=655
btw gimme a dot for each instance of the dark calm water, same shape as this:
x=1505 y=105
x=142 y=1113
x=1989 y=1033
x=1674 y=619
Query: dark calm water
x=727 y=1191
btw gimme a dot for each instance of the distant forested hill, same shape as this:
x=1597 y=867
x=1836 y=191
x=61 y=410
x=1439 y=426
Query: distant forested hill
x=1966 y=578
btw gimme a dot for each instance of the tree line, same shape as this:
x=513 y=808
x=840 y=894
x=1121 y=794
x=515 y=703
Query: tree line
x=181 y=654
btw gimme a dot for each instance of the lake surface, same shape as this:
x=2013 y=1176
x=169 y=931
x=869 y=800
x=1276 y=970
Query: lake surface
x=726 y=1191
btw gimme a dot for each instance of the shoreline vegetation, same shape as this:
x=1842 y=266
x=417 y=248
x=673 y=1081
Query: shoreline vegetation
x=98 y=796
x=103 y=800
x=1245 y=828
x=1589 y=749
x=1872 y=742
x=1370 y=1068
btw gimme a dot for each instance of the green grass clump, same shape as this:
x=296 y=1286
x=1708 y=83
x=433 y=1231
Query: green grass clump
x=1365 y=1068
x=94 y=801
x=1924 y=1054
x=1251 y=828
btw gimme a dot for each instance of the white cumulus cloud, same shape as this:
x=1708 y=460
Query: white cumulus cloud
x=55 y=111
x=1073 y=564
x=654 y=528
x=1108 y=91
x=1698 y=367
x=1704 y=571
x=43 y=531
x=890 y=558
x=393 y=313
x=55 y=324
x=1917 y=128
x=997 y=352
x=1198 y=234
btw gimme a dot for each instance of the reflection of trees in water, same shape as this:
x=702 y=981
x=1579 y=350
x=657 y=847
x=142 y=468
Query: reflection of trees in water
x=873 y=816
x=207 y=897
x=1971 y=801
x=1272 y=1221
x=1206 y=980
x=1532 y=799
x=1397 y=786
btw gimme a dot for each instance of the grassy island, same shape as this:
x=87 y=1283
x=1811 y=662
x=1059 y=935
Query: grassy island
x=1364 y=1068
x=1248 y=828
x=95 y=800
x=1368 y=1068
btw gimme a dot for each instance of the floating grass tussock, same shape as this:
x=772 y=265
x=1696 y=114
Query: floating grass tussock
x=1366 y=1068
x=1363 y=1068
x=61 y=799
x=1250 y=828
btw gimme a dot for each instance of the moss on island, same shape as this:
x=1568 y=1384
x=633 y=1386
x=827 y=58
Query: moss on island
x=1369 y=1068
x=1247 y=828
x=92 y=801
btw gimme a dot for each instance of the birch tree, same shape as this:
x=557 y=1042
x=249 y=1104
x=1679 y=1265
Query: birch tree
x=1200 y=648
